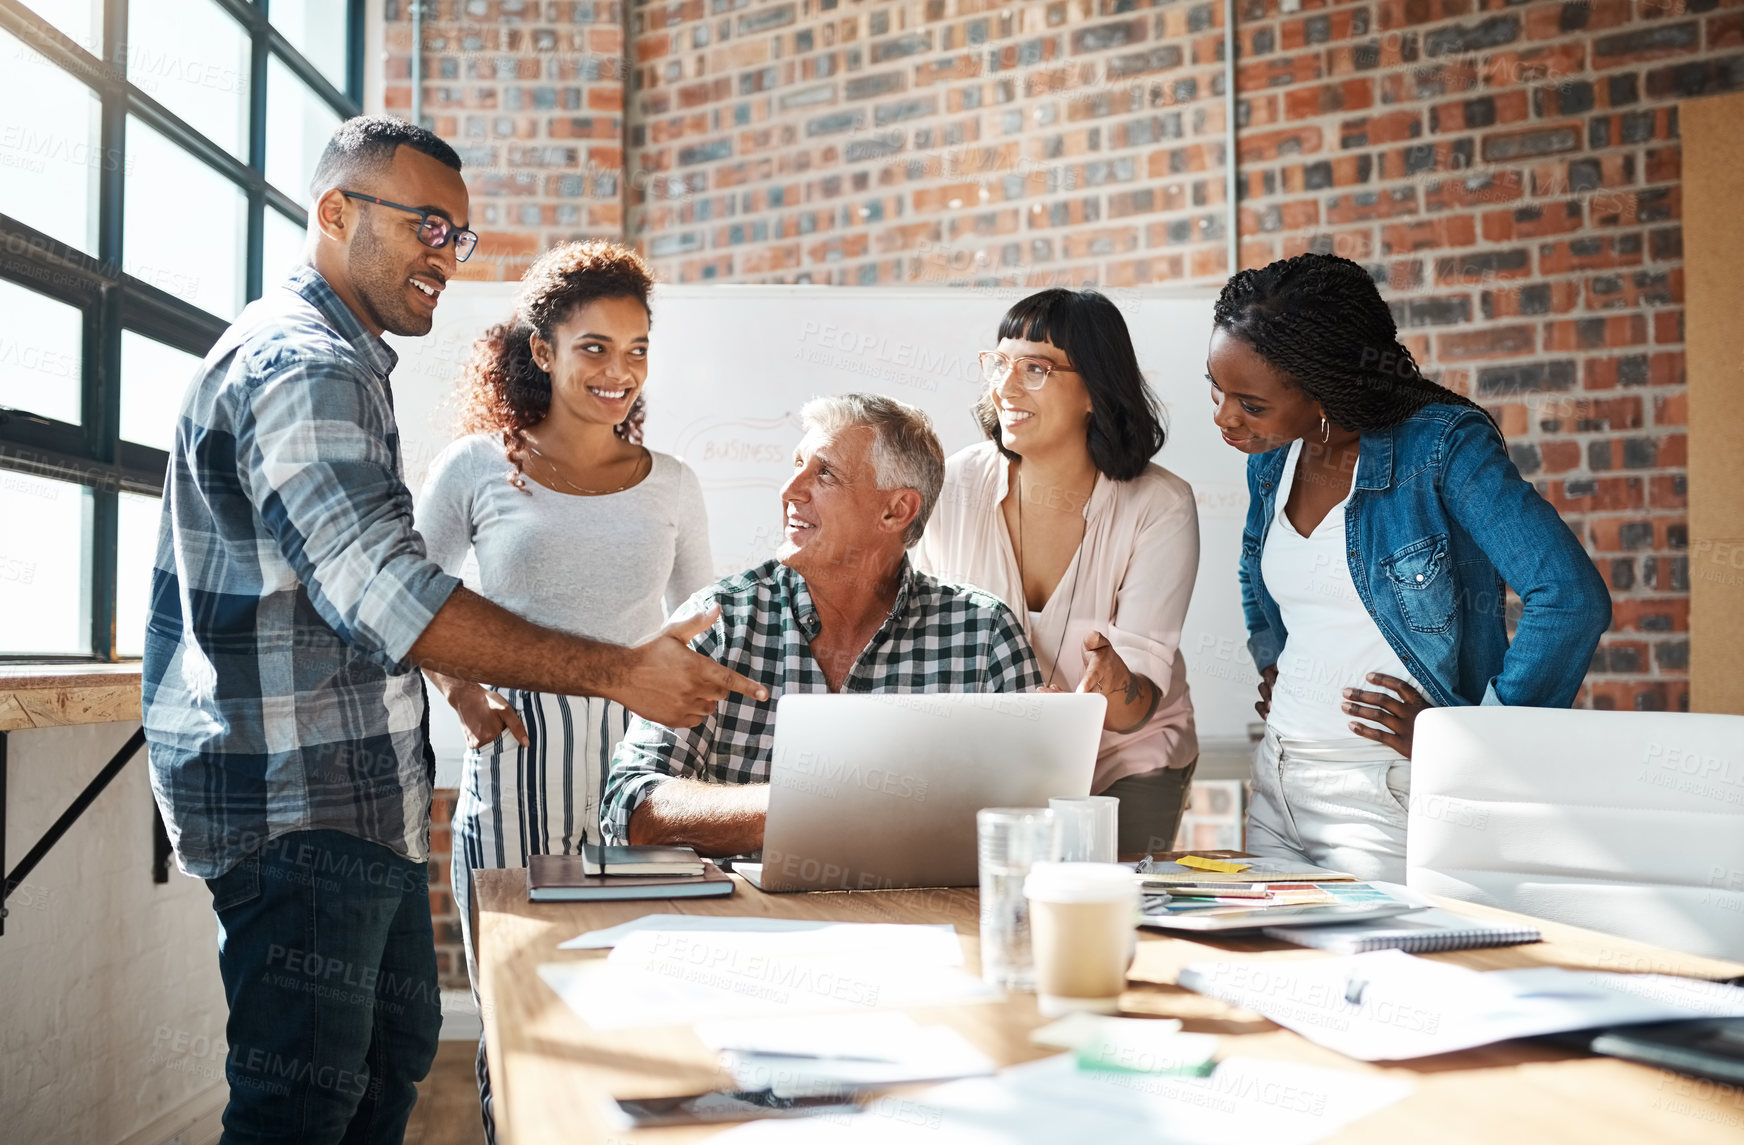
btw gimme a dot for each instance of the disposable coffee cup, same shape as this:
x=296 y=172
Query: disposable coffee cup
x=1082 y=931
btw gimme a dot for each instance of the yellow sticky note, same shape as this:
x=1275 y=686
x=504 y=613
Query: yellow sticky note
x=1217 y=865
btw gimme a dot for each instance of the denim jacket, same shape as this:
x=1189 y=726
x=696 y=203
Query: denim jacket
x=1438 y=519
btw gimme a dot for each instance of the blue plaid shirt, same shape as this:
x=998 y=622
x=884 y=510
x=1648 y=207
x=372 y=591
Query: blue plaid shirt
x=288 y=589
x=939 y=637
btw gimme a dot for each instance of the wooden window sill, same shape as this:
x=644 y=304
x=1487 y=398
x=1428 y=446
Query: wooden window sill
x=62 y=695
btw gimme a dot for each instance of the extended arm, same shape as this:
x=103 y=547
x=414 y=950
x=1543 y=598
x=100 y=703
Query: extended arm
x=313 y=452
x=1133 y=662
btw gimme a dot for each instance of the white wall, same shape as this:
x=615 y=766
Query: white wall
x=111 y=1009
x=731 y=366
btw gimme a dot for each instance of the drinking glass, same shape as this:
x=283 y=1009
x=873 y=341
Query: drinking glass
x=1089 y=827
x=1010 y=840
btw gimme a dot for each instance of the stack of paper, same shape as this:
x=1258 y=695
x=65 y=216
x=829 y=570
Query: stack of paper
x=1248 y=871
x=1389 y=1005
x=840 y=1053
x=1052 y=1101
x=677 y=977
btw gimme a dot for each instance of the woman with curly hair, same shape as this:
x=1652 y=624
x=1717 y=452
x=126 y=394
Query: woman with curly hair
x=1384 y=518
x=572 y=523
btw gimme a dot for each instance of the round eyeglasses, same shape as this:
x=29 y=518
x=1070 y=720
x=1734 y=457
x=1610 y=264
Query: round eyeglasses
x=1032 y=373
x=434 y=230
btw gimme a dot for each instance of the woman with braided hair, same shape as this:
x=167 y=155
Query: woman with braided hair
x=1384 y=518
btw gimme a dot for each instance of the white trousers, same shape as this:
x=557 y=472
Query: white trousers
x=1338 y=805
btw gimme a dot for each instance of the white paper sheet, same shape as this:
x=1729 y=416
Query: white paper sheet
x=1051 y=1101
x=608 y=938
x=661 y=977
x=809 y=1055
x=1388 y=1005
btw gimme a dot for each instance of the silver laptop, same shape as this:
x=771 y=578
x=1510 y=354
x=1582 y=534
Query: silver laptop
x=871 y=792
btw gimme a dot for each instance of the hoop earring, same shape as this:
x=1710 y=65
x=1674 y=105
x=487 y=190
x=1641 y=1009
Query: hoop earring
x=1325 y=430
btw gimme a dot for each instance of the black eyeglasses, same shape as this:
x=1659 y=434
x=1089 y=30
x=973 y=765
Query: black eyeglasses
x=434 y=231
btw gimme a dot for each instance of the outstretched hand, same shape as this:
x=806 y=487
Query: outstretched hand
x=1106 y=672
x=671 y=684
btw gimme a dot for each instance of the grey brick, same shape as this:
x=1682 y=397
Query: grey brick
x=705 y=152
x=1528 y=377
x=1666 y=37
x=1491 y=33
x=834 y=123
x=883 y=83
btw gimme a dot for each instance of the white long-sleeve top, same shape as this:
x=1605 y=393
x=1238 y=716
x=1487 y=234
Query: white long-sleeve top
x=1131 y=579
x=609 y=567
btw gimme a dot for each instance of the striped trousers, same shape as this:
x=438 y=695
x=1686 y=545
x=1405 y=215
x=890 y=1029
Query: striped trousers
x=542 y=799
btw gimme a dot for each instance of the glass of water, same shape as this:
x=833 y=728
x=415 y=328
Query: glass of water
x=1010 y=840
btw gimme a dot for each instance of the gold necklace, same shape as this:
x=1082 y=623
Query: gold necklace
x=1077 y=558
x=641 y=472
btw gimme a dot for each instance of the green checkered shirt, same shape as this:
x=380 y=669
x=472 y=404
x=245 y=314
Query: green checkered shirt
x=938 y=638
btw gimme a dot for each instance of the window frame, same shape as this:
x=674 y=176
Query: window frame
x=92 y=453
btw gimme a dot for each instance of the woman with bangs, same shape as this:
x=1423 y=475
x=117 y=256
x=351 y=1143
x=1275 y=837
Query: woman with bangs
x=1062 y=514
x=569 y=521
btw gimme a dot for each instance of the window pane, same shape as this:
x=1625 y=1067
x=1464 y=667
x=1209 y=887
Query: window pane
x=135 y=551
x=81 y=20
x=190 y=56
x=166 y=187
x=51 y=149
x=153 y=378
x=298 y=125
x=41 y=351
x=45 y=566
x=316 y=28
x=281 y=248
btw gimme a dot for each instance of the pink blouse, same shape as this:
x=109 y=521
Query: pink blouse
x=1131 y=579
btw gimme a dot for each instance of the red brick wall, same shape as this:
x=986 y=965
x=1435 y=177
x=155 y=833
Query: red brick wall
x=966 y=142
x=444 y=914
x=531 y=93
x=1510 y=173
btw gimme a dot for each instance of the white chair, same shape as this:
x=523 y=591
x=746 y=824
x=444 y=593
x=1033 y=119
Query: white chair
x=1630 y=823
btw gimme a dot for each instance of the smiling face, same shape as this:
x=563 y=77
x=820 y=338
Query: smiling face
x=390 y=278
x=1051 y=418
x=1258 y=408
x=833 y=511
x=597 y=359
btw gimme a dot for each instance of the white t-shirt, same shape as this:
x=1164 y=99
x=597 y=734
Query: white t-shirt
x=1333 y=642
x=608 y=567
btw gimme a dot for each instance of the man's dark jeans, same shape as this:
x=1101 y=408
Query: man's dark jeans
x=329 y=966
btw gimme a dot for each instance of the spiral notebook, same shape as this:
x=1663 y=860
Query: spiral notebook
x=1419 y=932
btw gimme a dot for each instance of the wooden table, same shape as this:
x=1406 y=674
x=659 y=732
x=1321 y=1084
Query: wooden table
x=551 y=1073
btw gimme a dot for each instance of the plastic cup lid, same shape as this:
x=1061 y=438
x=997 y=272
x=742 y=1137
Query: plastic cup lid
x=1080 y=882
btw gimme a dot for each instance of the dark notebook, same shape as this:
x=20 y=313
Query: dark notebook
x=640 y=860
x=1705 y=1047
x=564 y=878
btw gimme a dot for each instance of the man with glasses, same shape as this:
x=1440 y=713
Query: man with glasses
x=292 y=603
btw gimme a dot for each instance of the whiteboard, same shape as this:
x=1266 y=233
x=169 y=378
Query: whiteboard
x=731 y=366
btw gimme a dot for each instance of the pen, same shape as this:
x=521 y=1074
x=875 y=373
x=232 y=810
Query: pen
x=745 y=1051
x=1202 y=890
